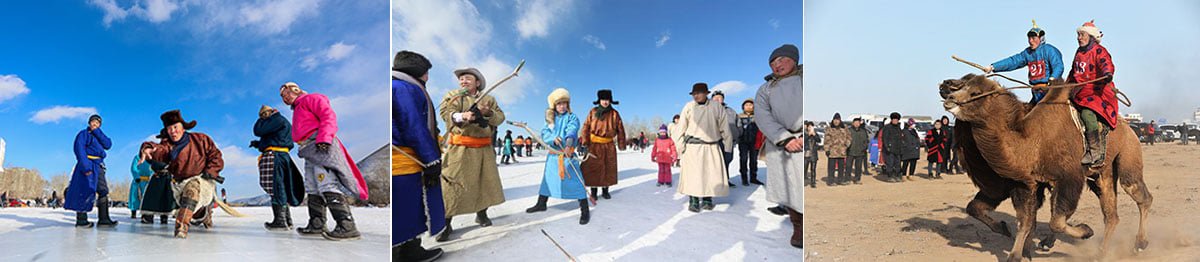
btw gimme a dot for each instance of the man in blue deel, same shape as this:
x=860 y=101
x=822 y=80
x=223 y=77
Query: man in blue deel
x=1043 y=60
x=88 y=181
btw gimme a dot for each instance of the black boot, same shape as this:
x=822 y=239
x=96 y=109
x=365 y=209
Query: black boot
x=706 y=203
x=412 y=251
x=540 y=206
x=694 y=204
x=103 y=220
x=278 y=222
x=133 y=214
x=754 y=179
x=745 y=180
x=345 y=229
x=481 y=217
x=594 y=190
x=778 y=210
x=81 y=220
x=605 y=194
x=287 y=215
x=147 y=219
x=163 y=219
x=585 y=215
x=316 y=216
x=445 y=235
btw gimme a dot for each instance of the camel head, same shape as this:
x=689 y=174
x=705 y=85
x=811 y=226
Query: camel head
x=961 y=97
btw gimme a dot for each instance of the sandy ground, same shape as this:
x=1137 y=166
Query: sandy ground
x=641 y=222
x=42 y=234
x=924 y=220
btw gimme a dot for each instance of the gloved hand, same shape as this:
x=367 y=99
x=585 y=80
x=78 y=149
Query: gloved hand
x=323 y=147
x=254 y=143
x=432 y=175
x=137 y=180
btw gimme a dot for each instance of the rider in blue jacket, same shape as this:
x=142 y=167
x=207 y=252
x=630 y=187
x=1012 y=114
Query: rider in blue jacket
x=1043 y=60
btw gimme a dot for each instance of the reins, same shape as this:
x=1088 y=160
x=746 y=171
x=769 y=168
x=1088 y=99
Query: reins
x=1027 y=86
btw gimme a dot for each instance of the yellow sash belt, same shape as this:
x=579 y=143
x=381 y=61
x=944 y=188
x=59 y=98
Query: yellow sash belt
x=403 y=164
x=278 y=149
x=93 y=157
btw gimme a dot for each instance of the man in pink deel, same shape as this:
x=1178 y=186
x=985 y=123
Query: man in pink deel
x=329 y=171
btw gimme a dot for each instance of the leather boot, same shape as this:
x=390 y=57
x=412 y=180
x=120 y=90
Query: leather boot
x=183 y=220
x=445 y=235
x=585 y=214
x=797 y=219
x=412 y=251
x=345 y=229
x=316 y=216
x=278 y=222
x=1099 y=148
x=481 y=217
x=81 y=220
x=287 y=215
x=540 y=206
x=102 y=207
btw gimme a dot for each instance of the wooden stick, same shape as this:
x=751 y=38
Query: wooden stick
x=560 y=248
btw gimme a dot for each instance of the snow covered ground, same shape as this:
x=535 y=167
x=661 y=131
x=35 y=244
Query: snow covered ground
x=41 y=234
x=640 y=223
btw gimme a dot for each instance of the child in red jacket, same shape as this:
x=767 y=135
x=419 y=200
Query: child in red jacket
x=664 y=154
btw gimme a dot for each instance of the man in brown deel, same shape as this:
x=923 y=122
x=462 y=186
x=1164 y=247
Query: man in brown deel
x=601 y=130
x=194 y=162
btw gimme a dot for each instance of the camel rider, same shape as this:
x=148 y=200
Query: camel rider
x=1044 y=62
x=1097 y=101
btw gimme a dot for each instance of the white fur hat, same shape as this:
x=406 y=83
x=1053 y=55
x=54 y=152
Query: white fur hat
x=1091 y=29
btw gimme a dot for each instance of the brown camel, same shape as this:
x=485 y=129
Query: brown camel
x=1011 y=149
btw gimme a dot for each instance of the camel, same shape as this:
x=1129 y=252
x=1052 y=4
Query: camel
x=1013 y=150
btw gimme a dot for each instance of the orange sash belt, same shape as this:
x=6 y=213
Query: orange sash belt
x=601 y=140
x=471 y=142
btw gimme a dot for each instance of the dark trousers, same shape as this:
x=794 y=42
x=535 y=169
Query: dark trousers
x=728 y=156
x=858 y=165
x=891 y=165
x=836 y=170
x=810 y=170
x=748 y=163
x=910 y=166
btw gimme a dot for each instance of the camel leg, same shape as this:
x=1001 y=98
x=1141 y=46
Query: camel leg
x=979 y=208
x=1025 y=204
x=1131 y=180
x=1064 y=200
x=1105 y=188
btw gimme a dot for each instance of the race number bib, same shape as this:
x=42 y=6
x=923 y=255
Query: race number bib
x=1037 y=69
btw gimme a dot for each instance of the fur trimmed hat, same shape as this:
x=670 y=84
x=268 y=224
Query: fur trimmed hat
x=605 y=94
x=1091 y=29
x=557 y=96
x=174 y=116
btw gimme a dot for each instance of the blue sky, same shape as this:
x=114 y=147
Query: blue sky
x=648 y=52
x=218 y=61
x=884 y=56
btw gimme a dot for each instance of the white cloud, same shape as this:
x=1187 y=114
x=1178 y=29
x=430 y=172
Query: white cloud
x=57 y=113
x=155 y=11
x=238 y=161
x=595 y=41
x=452 y=34
x=335 y=52
x=536 y=16
x=267 y=17
x=730 y=87
x=11 y=86
x=338 y=51
x=662 y=40
x=276 y=16
x=774 y=23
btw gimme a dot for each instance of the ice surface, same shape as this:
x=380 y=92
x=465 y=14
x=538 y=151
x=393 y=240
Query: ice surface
x=41 y=234
x=640 y=223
